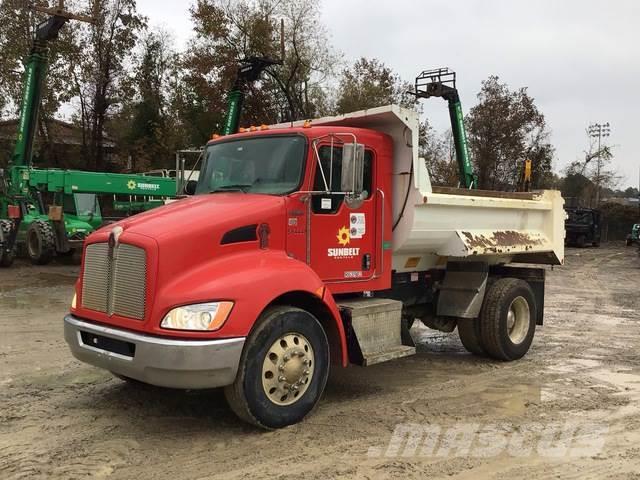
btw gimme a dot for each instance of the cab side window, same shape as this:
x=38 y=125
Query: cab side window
x=332 y=169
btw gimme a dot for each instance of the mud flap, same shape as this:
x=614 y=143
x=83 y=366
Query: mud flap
x=463 y=289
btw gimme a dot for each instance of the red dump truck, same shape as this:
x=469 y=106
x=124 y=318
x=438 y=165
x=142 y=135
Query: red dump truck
x=308 y=246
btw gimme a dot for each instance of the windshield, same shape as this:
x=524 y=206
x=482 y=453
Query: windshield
x=81 y=204
x=270 y=165
x=580 y=216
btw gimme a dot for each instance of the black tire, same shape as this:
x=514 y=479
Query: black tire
x=629 y=242
x=405 y=326
x=248 y=398
x=41 y=242
x=6 y=257
x=470 y=335
x=496 y=339
x=581 y=241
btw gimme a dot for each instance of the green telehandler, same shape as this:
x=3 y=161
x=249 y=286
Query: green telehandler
x=25 y=220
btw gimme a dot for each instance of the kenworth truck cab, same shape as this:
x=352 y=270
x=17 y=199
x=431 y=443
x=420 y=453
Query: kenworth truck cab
x=309 y=245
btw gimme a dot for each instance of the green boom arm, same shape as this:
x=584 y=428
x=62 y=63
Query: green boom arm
x=465 y=169
x=442 y=83
x=248 y=72
x=77 y=181
x=35 y=73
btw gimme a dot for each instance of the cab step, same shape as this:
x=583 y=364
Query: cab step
x=373 y=330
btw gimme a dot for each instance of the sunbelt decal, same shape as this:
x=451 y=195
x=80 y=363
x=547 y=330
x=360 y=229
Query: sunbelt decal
x=132 y=185
x=344 y=238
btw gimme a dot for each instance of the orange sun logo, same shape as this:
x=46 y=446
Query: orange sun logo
x=343 y=236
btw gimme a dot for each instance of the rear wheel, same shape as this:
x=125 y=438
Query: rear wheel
x=405 y=330
x=508 y=319
x=6 y=256
x=581 y=241
x=470 y=335
x=41 y=242
x=629 y=242
x=283 y=369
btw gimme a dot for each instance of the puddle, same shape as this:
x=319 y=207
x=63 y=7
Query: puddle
x=626 y=380
x=573 y=365
x=512 y=400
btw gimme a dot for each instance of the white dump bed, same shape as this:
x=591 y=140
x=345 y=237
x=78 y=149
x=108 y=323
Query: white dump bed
x=435 y=224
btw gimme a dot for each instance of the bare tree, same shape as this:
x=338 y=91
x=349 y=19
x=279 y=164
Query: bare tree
x=101 y=62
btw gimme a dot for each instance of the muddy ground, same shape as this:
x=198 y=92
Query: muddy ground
x=63 y=419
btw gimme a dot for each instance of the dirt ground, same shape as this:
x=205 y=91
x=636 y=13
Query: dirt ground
x=63 y=419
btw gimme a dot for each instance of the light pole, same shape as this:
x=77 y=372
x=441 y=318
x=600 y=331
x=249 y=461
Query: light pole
x=599 y=130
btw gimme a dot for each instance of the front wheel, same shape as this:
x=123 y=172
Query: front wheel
x=7 y=255
x=41 y=242
x=508 y=319
x=283 y=369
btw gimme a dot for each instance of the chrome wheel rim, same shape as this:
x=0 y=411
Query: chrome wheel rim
x=287 y=369
x=518 y=319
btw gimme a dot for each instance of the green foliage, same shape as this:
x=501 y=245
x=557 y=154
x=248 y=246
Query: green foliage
x=369 y=83
x=504 y=129
x=619 y=219
x=577 y=186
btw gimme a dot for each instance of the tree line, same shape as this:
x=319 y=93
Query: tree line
x=121 y=79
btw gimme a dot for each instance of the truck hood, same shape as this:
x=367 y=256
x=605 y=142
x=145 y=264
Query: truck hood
x=210 y=214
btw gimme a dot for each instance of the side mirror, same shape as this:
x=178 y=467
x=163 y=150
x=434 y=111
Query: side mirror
x=352 y=181
x=352 y=168
x=190 y=187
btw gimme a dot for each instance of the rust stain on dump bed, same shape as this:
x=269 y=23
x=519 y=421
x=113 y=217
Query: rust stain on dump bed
x=500 y=241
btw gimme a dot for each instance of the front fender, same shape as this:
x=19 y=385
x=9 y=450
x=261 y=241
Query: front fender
x=252 y=280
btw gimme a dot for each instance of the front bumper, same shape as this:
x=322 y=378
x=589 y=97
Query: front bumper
x=155 y=360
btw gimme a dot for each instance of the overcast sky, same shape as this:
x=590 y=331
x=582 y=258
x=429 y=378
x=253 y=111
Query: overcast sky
x=579 y=58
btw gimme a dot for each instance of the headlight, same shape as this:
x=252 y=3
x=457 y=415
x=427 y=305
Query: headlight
x=199 y=316
x=74 y=300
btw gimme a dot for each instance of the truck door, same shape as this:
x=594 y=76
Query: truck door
x=341 y=239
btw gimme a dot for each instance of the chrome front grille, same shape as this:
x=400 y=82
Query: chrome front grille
x=96 y=278
x=129 y=282
x=114 y=282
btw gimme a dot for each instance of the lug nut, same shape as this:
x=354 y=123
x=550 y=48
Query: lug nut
x=306 y=372
x=306 y=361
x=281 y=378
x=287 y=357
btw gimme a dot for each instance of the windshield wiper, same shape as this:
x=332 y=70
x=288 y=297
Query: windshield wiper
x=242 y=187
